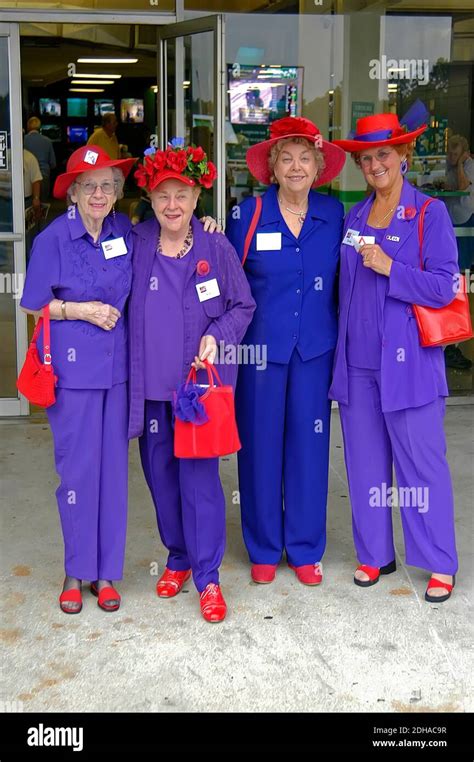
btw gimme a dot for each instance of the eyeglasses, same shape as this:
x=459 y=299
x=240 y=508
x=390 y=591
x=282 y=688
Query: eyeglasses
x=108 y=187
x=381 y=156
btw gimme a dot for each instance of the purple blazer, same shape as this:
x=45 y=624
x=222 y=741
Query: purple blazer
x=225 y=317
x=411 y=375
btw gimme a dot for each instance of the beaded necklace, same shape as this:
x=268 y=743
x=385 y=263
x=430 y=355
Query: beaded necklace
x=188 y=242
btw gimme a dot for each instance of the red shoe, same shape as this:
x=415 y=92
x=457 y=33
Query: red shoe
x=105 y=596
x=438 y=583
x=171 y=582
x=373 y=573
x=310 y=574
x=263 y=573
x=213 y=605
x=70 y=596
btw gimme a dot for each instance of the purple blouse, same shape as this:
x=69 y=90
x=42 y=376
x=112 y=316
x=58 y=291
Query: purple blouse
x=164 y=327
x=364 y=340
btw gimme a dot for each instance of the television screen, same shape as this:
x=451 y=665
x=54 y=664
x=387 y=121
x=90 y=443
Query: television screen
x=52 y=131
x=261 y=94
x=77 y=106
x=131 y=110
x=50 y=106
x=77 y=134
x=102 y=107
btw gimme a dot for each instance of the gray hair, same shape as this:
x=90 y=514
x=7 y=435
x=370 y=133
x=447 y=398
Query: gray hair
x=118 y=178
x=277 y=147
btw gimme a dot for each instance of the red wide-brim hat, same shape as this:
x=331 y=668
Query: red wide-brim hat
x=169 y=174
x=379 y=130
x=295 y=127
x=85 y=159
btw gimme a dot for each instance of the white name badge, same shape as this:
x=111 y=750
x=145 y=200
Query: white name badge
x=362 y=240
x=268 y=241
x=350 y=235
x=207 y=290
x=114 y=248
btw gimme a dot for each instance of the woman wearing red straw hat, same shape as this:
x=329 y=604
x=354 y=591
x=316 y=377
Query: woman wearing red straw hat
x=81 y=266
x=391 y=389
x=283 y=409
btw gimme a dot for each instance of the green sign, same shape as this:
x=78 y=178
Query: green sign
x=359 y=109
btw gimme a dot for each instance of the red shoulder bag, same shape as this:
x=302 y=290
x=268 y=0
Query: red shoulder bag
x=37 y=380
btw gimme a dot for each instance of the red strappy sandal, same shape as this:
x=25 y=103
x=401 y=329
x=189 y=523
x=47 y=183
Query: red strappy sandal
x=438 y=583
x=70 y=596
x=373 y=573
x=104 y=595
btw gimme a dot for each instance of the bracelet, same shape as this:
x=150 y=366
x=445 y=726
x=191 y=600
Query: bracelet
x=63 y=311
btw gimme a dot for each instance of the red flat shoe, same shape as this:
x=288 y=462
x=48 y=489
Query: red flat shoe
x=171 y=582
x=373 y=573
x=70 y=596
x=438 y=583
x=263 y=573
x=213 y=605
x=104 y=596
x=309 y=574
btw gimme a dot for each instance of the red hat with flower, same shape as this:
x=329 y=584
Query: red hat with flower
x=189 y=165
x=295 y=127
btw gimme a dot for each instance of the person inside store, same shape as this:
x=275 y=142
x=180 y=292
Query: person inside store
x=41 y=147
x=460 y=177
x=189 y=294
x=391 y=391
x=105 y=136
x=283 y=411
x=81 y=266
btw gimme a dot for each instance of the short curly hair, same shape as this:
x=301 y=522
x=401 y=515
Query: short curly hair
x=279 y=145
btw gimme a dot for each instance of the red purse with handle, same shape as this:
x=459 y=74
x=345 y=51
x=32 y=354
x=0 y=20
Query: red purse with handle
x=37 y=380
x=440 y=326
x=219 y=435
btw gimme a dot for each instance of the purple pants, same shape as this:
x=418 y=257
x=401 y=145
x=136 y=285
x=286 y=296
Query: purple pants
x=413 y=440
x=188 y=497
x=91 y=452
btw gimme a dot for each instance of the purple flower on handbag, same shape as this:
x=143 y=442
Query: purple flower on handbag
x=187 y=406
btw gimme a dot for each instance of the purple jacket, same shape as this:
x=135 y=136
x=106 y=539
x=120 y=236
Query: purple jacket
x=225 y=317
x=411 y=375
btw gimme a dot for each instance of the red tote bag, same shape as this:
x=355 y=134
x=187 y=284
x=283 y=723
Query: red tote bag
x=438 y=327
x=37 y=380
x=219 y=435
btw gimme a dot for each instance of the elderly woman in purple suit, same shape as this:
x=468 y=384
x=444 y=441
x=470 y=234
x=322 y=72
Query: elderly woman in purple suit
x=189 y=294
x=390 y=389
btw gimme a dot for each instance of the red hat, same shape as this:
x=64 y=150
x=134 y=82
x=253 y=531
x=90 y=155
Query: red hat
x=85 y=159
x=294 y=127
x=189 y=165
x=379 y=130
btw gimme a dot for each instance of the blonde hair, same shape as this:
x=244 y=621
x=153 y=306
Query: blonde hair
x=458 y=140
x=279 y=145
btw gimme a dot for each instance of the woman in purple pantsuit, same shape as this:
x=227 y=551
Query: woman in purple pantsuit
x=390 y=389
x=189 y=293
x=81 y=266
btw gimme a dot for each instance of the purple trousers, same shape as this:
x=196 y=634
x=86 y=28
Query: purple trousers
x=413 y=440
x=89 y=429
x=188 y=497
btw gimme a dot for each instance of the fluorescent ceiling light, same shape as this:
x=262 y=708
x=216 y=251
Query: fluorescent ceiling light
x=108 y=60
x=92 y=82
x=86 y=90
x=98 y=76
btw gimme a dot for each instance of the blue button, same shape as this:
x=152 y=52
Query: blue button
x=298 y=291
x=295 y=336
x=296 y=314
x=297 y=251
x=300 y=272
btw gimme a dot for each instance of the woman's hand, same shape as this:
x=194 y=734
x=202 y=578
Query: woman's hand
x=103 y=315
x=207 y=351
x=210 y=225
x=375 y=258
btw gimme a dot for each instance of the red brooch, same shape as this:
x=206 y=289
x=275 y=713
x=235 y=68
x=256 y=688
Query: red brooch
x=203 y=267
x=409 y=212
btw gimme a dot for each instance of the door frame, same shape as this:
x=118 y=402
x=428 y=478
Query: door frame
x=216 y=25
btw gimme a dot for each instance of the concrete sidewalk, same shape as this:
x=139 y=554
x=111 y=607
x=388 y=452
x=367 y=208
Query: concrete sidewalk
x=283 y=647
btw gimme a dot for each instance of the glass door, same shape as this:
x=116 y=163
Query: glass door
x=191 y=95
x=13 y=336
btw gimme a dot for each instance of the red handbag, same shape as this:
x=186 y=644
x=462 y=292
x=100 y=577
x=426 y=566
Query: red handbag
x=37 y=380
x=219 y=435
x=443 y=325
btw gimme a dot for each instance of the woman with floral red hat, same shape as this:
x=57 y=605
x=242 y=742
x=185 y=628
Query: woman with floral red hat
x=283 y=409
x=189 y=294
x=81 y=267
x=391 y=389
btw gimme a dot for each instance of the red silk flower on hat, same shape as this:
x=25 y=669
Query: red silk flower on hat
x=208 y=178
x=202 y=267
x=293 y=125
x=176 y=160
